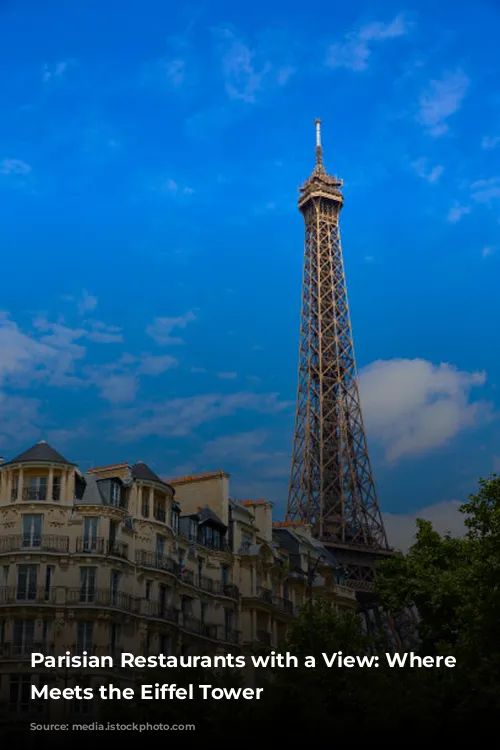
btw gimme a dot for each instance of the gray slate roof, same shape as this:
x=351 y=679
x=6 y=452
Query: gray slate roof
x=205 y=514
x=91 y=494
x=140 y=470
x=41 y=451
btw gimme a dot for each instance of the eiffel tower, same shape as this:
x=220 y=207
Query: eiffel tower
x=331 y=483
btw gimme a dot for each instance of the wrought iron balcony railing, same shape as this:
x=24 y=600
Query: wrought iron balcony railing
x=265 y=595
x=93 y=597
x=158 y=561
x=285 y=605
x=100 y=546
x=32 y=542
x=23 y=594
x=161 y=611
x=24 y=648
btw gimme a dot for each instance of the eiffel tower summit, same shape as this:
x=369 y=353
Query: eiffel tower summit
x=331 y=483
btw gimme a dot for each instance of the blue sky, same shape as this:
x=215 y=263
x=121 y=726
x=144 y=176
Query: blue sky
x=152 y=247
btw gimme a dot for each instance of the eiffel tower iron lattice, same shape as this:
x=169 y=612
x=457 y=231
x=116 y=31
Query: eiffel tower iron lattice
x=331 y=483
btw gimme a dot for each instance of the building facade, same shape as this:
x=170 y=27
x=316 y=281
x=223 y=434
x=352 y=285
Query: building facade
x=118 y=559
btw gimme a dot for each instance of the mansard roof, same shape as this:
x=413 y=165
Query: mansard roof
x=40 y=452
x=205 y=514
x=140 y=470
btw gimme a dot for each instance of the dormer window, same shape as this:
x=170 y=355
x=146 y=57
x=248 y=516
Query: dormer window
x=115 y=493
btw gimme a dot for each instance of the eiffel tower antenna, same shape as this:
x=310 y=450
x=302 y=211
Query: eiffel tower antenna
x=331 y=483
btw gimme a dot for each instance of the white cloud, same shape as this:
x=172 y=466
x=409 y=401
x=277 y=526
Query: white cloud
x=248 y=71
x=161 y=328
x=14 y=166
x=484 y=191
x=456 y=212
x=25 y=358
x=487 y=251
x=20 y=419
x=175 y=71
x=151 y=365
x=489 y=142
x=227 y=375
x=442 y=99
x=55 y=71
x=87 y=303
x=118 y=389
x=414 y=406
x=181 y=416
x=431 y=174
x=171 y=186
x=354 y=51
x=445 y=517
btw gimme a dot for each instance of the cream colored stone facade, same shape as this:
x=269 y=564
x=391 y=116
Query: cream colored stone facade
x=119 y=560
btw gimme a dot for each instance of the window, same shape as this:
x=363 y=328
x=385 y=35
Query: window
x=228 y=621
x=246 y=541
x=224 y=574
x=200 y=567
x=186 y=606
x=84 y=636
x=182 y=560
x=165 y=644
x=90 y=529
x=26 y=582
x=87 y=584
x=164 y=597
x=203 y=612
x=20 y=693
x=147 y=593
x=145 y=506
x=45 y=630
x=36 y=489
x=6 y=575
x=56 y=489
x=113 y=528
x=175 y=521
x=208 y=536
x=24 y=635
x=193 y=530
x=49 y=573
x=114 y=586
x=216 y=539
x=32 y=530
x=115 y=493
x=160 y=547
x=114 y=638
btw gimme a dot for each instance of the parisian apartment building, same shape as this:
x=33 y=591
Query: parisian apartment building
x=117 y=559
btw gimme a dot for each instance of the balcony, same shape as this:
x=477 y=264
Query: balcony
x=229 y=635
x=285 y=605
x=158 y=561
x=30 y=543
x=161 y=611
x=100 y=546
x=20 y=649
x=265 y=595
x=217 y=587
x=193 y=625
x=117 y=549
x=88 y=596
x=187 y=576
x=26 y=595
x=159 y=515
